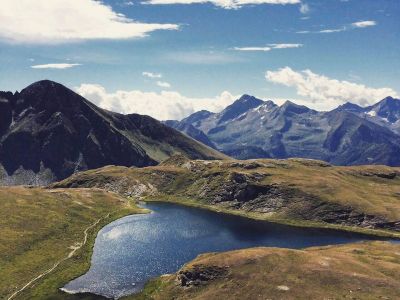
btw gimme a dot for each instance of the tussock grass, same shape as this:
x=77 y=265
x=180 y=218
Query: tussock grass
x=354 y=271
x=39 y=226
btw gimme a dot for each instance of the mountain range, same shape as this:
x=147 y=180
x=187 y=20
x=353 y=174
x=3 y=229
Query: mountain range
x=347 y=135
x=48 y=132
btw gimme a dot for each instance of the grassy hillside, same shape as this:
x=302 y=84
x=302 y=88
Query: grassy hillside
x=296 y=191
x=354 y=271
x=40 y=227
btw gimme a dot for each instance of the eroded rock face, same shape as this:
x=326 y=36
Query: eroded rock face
x=55 y=127
x=200 y=274
x=5 y=114
x=246 y=192
x=260 y=187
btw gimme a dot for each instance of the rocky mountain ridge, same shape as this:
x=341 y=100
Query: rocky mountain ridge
x=48 y=132
x=348 y=135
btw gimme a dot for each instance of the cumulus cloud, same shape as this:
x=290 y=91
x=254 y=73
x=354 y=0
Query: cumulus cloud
x=55 y=66
x=60 y=21
x=228 y=4
x=163 y=84
x=151 y=75
x=162 y=106
x=269 y=47
x=327 y=92
x=363 y=24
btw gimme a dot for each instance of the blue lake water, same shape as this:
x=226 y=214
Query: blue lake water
x=131 y=250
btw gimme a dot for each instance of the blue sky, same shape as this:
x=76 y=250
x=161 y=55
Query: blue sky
x=204 y=56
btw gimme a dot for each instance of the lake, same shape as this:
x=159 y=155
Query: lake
x=131 y=250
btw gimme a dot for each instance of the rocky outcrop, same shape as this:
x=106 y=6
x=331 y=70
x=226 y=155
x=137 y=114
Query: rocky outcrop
x=200 y=274
x=294 y=189
x=351 y=271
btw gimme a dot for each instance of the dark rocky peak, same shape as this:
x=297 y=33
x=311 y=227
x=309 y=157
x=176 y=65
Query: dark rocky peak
x=348 y=106
x=6 y=96
x=240 y=106
x=292 y=108
x=49 y=96
x=269 y=104
x=389 y=101
x=247 y=100
x=197 y=116
x=388 y=108
x=266 y=107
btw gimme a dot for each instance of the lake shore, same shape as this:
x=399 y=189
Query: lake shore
x=271 y=218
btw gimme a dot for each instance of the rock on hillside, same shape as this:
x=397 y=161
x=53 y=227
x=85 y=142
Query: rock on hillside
x=294 y=190
x=354 y=271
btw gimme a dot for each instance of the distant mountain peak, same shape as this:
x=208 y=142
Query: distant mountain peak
x=348 y=106
x=291 y=107
x=391 y=102
x=389 y=99
x=197 y=116
x=388 y=109
x=247 y=97
x=43 y=85
x=240 y=106
x=347 y=135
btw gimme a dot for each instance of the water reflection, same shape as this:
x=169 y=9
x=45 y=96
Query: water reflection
x=133 y=249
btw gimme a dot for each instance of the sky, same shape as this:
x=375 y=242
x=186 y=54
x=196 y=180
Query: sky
x=170 y=58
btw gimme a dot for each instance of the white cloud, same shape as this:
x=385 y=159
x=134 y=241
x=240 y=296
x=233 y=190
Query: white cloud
x=60 y=21
x=163 y=84
x=55 y=66
x=304 y=8
x=332 y=30
x=265 y=49
x=355 y=25
x=152 y=75
x=326 y=92
x=285 y=46
x=228 y=4
x=363 y=24
x=163 y=106
x=268 y=47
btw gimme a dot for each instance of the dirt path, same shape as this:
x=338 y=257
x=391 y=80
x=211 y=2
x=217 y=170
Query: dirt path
x=74 y=248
